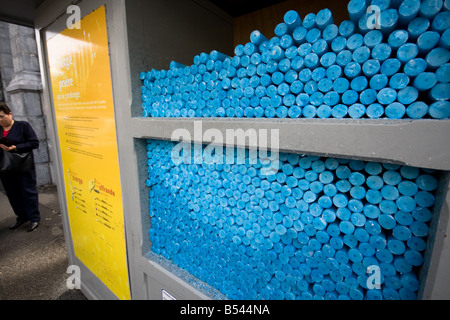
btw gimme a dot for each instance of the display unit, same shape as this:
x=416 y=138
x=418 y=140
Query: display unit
x=133 y=49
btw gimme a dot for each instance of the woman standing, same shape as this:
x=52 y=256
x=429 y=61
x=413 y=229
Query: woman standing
x=20 y=186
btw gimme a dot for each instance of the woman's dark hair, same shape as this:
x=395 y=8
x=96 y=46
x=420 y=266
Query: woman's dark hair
x=4 y=108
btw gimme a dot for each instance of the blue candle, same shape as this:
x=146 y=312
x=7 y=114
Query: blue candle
x=415 y=67
x=372 y=227
x=297 y=63
x=257 y=37
x=427 y=41
x=255 y=59
x=328 y=59
x=441 y=91
x=286 y=41
x=320 y=47
x=316 y=98
x=296 y=87
x=281 y=29
x=311 y=60
x=216 y=55
x=281 y=111
x=371 y=67
x=361 y=235
x=440 y=110
x=310 y=88
x=277 y=53
x=361 y=54
x=305 y=75
x=407 y=95
x=395 y=110
x=271 y=67
x=309 y=21
x=334 y=71
x=425 y=81
x=330 y=33
x=355 y=41
x=313 y=35
x=324 y=111
x=304 y=49
x=399 y=81
x=356 y=8
x=401 y=233
x=291 y=76
x=390 y=66
x=346 y=227
x=299 y=35
x=340 y=85
x=437 y=57
x=309 y=111
x=346 y=28
x=417 y=110
x=352 y=69
x=441 y=21
x=359 y=83
x=381 y=51
x=444 y=42
x=429 y=8
x=408 y=10
x=372 y=38
x=417 y=26
x=284 y=65
x=343 y=58
x=331 y=98
x=325 y=85
x=388 y=21
x=356 y=111
x=386 y=96
x=292 y=19
x=397 y=38
x=350 y=97
x=368 y=96
x=294 y=111
x=323 y=18
x=338 y=44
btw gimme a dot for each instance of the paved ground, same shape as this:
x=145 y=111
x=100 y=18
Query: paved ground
x=33 y=264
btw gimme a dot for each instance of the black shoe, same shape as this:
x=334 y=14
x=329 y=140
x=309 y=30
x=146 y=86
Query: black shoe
x=32 y=226
x=17 y=224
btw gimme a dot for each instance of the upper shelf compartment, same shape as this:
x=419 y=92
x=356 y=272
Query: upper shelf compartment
x=390 y=60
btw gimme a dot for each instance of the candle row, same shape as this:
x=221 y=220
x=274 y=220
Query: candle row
x=309 y=230
x=314 y=68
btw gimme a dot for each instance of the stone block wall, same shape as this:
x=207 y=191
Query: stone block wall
x=21 y=88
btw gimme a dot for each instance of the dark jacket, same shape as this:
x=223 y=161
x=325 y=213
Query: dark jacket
x=22 y=136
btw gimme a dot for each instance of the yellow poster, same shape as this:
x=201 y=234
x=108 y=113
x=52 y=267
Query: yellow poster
x=82 y=94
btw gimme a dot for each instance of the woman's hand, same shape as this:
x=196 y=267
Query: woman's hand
x=9 y=149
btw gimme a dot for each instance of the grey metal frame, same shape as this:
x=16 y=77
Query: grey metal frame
x=51 y=19
x=421 y=143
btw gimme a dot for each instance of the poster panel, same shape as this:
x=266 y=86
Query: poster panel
x=83 y=101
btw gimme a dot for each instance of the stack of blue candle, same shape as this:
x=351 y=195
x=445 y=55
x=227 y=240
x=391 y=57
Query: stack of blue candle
x=389 y=63
x=310 y=231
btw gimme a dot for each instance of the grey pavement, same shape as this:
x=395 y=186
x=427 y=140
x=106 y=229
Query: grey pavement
x=33 y=264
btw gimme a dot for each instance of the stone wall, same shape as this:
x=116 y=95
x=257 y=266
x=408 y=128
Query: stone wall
x=21 y=88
